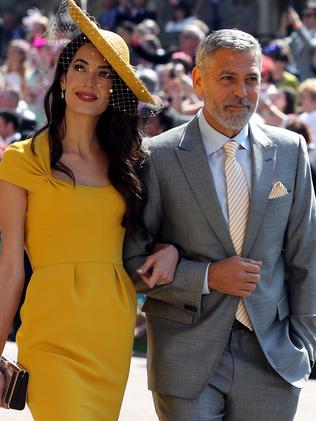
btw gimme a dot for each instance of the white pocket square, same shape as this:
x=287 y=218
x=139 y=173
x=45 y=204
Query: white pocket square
x=278 y=190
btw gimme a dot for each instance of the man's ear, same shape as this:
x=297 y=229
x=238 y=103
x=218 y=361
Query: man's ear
x=197 y=81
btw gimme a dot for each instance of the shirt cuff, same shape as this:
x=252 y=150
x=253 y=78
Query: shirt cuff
x=205 y=289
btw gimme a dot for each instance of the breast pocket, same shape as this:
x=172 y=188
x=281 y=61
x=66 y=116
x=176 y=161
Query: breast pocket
x=279 y=201
x=278 y=210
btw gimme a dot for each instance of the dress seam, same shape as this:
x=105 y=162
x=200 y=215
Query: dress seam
x=78 y=262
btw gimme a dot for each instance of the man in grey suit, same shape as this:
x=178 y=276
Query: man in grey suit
x=233 y=336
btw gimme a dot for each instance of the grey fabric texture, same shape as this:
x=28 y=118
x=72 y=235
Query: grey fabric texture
x=243 y=387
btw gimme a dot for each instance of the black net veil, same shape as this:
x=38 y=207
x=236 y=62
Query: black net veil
x=64 y=33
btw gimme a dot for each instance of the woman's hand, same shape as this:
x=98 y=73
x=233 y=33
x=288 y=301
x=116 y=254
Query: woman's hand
x=2 y=384
x=159 y=268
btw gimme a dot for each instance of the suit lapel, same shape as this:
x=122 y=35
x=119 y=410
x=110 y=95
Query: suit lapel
x=263 y=157
x=193 y=160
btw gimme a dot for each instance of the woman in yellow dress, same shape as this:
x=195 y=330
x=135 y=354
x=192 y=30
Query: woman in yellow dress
x=68 y=195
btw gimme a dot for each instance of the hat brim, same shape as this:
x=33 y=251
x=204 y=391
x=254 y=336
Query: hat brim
x=105 y=41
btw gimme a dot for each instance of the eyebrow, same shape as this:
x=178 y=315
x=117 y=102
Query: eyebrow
x=230 y=73
x=106 y=66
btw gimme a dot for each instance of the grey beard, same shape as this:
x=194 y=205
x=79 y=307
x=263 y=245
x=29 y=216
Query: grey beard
x=233 y=120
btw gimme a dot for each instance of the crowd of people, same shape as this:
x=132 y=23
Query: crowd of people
x=288 y=74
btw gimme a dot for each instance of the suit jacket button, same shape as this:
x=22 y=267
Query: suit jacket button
x=190 y=308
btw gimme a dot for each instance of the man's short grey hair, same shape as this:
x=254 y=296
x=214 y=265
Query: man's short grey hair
x=231 y=39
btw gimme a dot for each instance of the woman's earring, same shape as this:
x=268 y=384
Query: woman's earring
x=62 y=94
x=111 y=91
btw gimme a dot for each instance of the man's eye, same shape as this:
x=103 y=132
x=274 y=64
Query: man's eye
x=253 y=79
x=227 y=78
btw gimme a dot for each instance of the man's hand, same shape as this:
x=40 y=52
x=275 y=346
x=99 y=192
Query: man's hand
x=234 y=276
x=159 y=267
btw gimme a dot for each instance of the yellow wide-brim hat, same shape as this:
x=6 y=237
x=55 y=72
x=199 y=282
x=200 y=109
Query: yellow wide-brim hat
x=114 y=49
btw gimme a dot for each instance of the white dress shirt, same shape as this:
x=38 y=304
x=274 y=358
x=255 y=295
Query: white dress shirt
x=213 y=142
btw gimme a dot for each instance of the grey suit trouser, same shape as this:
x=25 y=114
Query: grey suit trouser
x=243 y=388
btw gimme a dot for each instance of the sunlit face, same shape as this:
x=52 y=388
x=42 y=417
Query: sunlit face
x=279 y=65
x=87 y=82
x=15 y=56
x=230 y=88
x=125 y=34
x=307 y=101
x=279 y=100
x=309 y=18
x=189 y=43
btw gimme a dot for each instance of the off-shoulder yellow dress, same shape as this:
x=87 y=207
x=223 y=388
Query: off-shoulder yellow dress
x=78 y=317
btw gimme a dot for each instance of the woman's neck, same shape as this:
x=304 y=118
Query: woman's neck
x=80 y=134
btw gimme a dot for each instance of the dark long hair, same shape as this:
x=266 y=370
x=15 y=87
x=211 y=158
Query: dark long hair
x=117 y=133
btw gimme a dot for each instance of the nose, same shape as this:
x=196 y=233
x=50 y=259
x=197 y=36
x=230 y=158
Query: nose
x=91 y=79
x=241 y=90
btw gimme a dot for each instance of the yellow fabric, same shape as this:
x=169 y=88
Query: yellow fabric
x=79 y=313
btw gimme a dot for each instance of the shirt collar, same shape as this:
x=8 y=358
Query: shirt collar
x=214 y=140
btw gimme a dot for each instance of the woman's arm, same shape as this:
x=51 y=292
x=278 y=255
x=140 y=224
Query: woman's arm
x=13 y=200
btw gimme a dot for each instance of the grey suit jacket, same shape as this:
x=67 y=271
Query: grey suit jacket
x=187 y=332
